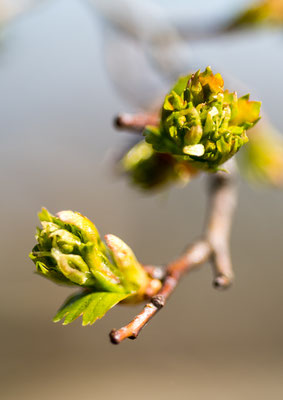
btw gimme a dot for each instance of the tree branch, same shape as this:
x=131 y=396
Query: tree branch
x=136 y=122
x=223 y=198
x=214 y=246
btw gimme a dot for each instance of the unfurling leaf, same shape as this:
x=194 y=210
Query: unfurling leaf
x=91 y=306
x=70 y=251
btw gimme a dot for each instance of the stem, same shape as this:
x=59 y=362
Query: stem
x=136 y=122
x=214 y=246
x=223 y=195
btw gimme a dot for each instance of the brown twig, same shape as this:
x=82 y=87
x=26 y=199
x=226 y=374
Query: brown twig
x=223 y=195
x=155 y=272
x=136 y=122
x=214 y=245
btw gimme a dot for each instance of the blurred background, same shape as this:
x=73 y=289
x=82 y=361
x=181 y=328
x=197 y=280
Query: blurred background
x=66 y=69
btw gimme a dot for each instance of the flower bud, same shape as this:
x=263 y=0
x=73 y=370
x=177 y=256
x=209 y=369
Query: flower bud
x=201 y=123
x=70 y=251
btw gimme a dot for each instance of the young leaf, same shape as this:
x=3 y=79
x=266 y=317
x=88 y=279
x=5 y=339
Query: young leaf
x=91 y=306
x=135 y=277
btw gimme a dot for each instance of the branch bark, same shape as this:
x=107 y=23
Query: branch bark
x=214 y=246
x=136 y=122
x=223 y=199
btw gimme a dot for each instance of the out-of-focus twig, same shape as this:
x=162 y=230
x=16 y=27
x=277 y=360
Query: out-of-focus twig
x=12 y=9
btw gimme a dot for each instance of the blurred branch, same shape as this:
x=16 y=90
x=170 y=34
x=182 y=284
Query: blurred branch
x=152 y=29
x=166 y=41
x=9 y=10
x=214 y=245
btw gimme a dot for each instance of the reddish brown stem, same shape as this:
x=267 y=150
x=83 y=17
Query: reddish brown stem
x=155 y=272
x=214 y=245
x=196 y=255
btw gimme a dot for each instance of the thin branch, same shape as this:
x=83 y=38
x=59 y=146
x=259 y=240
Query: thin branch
x=197 y=254
x=214 y=245
x=136 y=122
x=155 y=272
x=223 y=195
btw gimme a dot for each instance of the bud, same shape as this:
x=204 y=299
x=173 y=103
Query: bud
x=201 y=123
x=149 y=169
x=70 y=251
x=135 y=277
x=264 y=12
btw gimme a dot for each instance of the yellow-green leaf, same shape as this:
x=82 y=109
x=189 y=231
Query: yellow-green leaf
x=91 y=306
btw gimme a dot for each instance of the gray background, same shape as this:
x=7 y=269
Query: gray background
x=57 y=103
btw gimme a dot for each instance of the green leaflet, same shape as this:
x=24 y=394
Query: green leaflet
x=181 y=84
x=52 y=275
x=91 y=306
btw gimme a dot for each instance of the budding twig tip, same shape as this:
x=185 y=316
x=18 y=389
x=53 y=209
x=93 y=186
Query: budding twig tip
x=118 y=121
x=222 y=282
x=114 y=337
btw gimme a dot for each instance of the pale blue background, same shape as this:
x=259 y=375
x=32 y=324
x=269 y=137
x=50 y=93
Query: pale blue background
x=57 y=103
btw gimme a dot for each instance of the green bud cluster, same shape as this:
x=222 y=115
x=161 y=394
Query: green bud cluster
x=201 y=123
x=69 y=251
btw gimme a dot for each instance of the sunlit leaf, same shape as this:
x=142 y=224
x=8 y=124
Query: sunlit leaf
x=91 y=306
